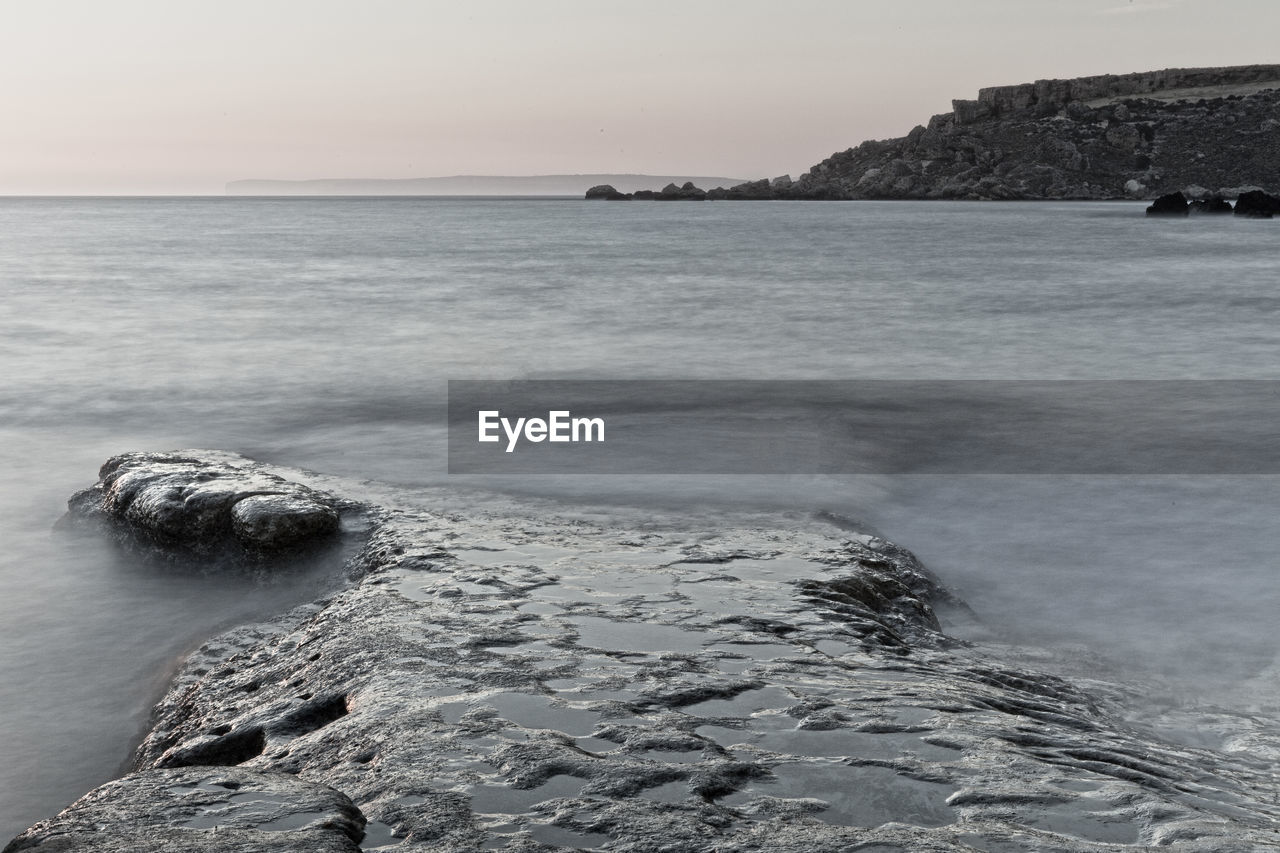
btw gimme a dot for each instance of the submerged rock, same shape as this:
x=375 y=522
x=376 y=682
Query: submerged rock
x=522 y=675
x=211 y=506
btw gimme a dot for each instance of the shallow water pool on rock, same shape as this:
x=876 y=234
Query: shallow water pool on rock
x=559 y=836
x=502 y=799
x=855 y=796
x=595 y=632
x=1084 y=818
x=834 y=743
x=532 y=711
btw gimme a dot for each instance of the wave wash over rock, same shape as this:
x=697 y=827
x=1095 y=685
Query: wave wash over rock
x=528 y=676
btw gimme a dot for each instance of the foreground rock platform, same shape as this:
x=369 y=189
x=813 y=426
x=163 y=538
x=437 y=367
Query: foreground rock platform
x=520 y=675
x=202 y=810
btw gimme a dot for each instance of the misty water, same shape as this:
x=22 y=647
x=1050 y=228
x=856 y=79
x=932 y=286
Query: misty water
x=320 y=332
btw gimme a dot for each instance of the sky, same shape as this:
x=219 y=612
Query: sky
x=182 y=96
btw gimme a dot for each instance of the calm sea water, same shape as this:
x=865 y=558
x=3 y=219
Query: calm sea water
x=320 y=333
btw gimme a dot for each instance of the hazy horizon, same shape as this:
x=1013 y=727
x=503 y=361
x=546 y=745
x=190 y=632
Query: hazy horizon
x=146 y=97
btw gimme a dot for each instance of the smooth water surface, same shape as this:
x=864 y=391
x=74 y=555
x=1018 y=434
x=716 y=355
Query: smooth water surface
x=320 y=333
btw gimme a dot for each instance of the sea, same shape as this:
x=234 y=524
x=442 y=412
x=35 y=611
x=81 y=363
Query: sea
x=321 y=333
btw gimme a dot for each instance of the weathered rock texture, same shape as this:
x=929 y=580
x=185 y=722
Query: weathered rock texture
x=211 y=506
x=533 y=677
x=1111 y=136
x=202 y=810
x=1257 y=204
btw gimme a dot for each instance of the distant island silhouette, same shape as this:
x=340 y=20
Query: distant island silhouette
x=480 y=185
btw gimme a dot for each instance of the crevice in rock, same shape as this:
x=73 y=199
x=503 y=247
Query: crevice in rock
x=235 y=747
x=312 y=715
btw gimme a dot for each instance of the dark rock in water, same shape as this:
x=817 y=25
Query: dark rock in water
x=606 y=192
x=213 y=506
x=648 y=195
x=1173 y=204
x=1257 y=204
x=1213 y=205
x=688 y=192
x=202 y=810
x=761 y=190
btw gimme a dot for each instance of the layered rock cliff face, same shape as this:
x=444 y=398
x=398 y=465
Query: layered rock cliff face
x=1207 y=130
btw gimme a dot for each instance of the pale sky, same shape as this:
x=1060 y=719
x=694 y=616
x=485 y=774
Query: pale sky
x=181 y=96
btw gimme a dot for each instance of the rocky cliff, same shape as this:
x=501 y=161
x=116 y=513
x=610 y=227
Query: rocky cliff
x=1203 y=131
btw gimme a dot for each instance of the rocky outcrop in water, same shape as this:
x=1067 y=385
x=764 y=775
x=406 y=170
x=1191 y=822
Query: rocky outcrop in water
x=527 y=676
x=606 y=192
x=685 y=192
x=1173 y=204
x=1105 y=137
x=215 y=506
x=1257 y=204
x=671 y=192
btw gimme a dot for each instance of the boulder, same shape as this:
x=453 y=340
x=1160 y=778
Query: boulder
x=1257 y=204
x=1173 y=204
x=606 y=192
x=1123 y=136
x=178 y=505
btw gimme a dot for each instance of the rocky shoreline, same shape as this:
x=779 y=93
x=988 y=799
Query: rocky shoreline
x=1200 y=131
x=497 y=674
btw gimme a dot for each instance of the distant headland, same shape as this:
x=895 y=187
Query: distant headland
x=531 y=185
x=1201 y=131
